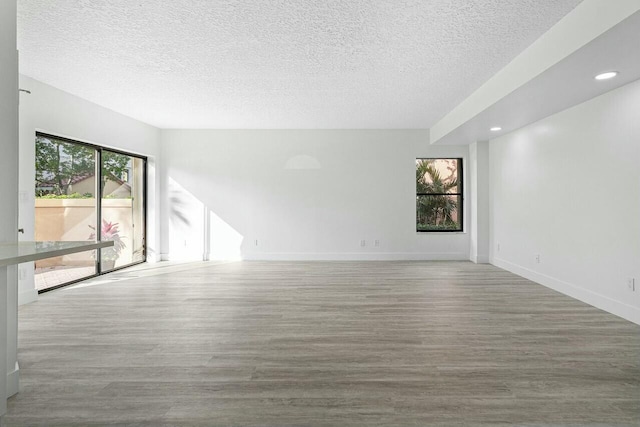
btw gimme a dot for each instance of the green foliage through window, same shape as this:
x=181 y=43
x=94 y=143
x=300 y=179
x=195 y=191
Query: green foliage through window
x=439 y=194
x=61 y=165
x=67 y=196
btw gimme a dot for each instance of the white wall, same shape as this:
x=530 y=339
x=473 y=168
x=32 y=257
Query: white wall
x=302 y=194
x=53 y=111
x=8 y=196
x=568 y=188
x=478 y=178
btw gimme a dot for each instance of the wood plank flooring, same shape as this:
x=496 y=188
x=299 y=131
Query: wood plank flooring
x=324 y=344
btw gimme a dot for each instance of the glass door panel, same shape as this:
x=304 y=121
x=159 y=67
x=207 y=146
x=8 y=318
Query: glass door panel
x=122 y=210
x=65 y=207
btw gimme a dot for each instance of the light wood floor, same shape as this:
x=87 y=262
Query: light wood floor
x=325 y=344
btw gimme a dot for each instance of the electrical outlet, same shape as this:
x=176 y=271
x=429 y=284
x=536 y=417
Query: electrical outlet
x=498 y=247
x=538 y=258
x=363 y=243
x=256 y=242
x=631 y=284
x=377 y=243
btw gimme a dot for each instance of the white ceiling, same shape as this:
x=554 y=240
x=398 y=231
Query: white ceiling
x=567 y=83
x=277 y=64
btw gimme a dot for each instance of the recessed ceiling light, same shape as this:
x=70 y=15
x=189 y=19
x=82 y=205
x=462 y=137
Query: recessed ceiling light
x=606 y=76
x=495 y=129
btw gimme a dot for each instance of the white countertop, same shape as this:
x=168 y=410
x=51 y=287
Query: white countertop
x=15 y=253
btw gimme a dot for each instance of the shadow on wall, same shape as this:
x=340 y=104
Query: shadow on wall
x=199 y=230
x=196 y=232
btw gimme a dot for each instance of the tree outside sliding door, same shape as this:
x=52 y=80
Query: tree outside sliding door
x=86 y=192
x=65 y=207
x=122 y=212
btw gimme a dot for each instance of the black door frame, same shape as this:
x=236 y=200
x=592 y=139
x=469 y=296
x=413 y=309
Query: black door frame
x=99 y=149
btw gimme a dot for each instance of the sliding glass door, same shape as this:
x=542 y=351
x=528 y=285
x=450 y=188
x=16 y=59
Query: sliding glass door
x=65 y=207
x=122 y=210
x=86 y=192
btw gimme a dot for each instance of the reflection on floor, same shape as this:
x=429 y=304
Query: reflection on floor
x=53 y=276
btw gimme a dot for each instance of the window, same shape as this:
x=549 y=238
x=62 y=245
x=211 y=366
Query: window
x=439 y=195
x=81 y=188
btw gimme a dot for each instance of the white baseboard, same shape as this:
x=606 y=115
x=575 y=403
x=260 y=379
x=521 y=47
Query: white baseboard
x=13 y=381
x=595 y=299
x=480 y=259
x=356 y=256
x=338 y=256
x=25 y=297
x=483 y=259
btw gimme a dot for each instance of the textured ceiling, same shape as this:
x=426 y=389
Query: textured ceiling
x=277 y=63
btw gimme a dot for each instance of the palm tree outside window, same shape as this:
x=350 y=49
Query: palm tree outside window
x=439 y=197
